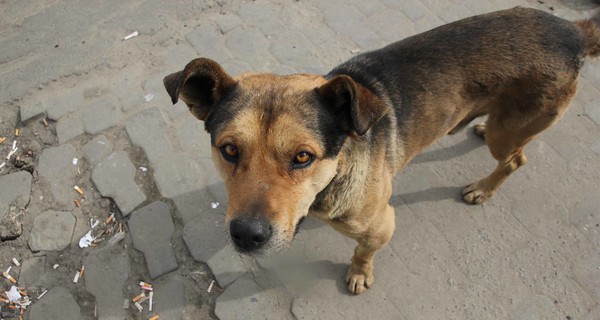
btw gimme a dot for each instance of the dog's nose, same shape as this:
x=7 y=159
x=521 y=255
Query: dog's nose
x=250 y=234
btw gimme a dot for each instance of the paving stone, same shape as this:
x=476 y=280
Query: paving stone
x=31 y=110
x=63 y=102
x=263 y=15
x=68 y=127
x=193 y=138
x=147 y=130
x=106 y=270
x=114 y=177
x=246 y=297
x=57 y=303
x=52 y=231
x=208 y=33
x=56 y=166
x=227 y=22
x=178 y=175
x=101 y=115
x=33 y=272
x=250 y=43
x=191 y=205
x=14 y=190
x=293 y=49
x=97 y=149
x=169 y=298
x=151 y=229
x=207 y=242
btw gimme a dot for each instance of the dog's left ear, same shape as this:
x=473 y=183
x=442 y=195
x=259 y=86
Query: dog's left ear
x=200 y=85
x=358 y=103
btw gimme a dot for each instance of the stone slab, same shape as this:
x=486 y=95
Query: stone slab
x=57 y=303
x=68 y=127
x=106 y=271
x=178 y=175
x=207 y=242
x=63 y=102
x=31 y=110
x=52 y=231
x=169 y=297
x=101 y=115
x=114 y=177
x=56 y=166
x=14 y=190
x=151 y=229
x=147 y=130
x=97 y=149
x=246 y=297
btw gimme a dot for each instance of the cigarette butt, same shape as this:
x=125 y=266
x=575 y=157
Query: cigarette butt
x=9 y=277
x=14 y=145
x=131 y=35
x=138 y=306
x=142 y=300
x=77 y=203
x=145 y=284
x=156 y=317
x=138 y=297
x=2 y=139
x=12 y=306
x=146 y=288
x=16 y=262
x=151 y=301
x=23 y=293
x=45 y=122
x=17 y=132
x=78 y=189
x=3 y=300
x=120 y=227
x=11 y=153
x=42 y=294
x=81 y=271
x=109 y=219
x=3 y=294
x=210 y=286
x=76 y=279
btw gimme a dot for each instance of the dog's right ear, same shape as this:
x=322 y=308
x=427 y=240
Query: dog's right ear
x=200 y=85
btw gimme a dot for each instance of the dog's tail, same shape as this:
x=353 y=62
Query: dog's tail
x=590 y=30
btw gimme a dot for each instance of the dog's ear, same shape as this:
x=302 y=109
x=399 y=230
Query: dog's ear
x=361 y=106
x=200 y=85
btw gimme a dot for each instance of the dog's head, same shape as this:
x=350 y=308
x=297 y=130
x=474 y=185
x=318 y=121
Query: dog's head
x=276 y=141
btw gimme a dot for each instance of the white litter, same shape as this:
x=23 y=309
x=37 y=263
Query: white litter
x=76 y=279
x=55 y=266
x=14 y=145
x=144 y=169
x=16 y=262
x=75 y=160
x=150 y=301
x=212 y=283
x=138 y=306
x=131 y=35
x=2 y=165
x=42 y=294
x=149 y=97
x=11 y=153
x=86 y=240
x=13 y=294
x=214 y=205
x=94 y=223
x=8 y=270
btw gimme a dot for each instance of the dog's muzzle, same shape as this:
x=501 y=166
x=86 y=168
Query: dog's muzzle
x=249 y=234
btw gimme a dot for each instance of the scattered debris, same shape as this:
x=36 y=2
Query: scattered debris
x=78 y=189
x=77 y=203
x=138 y=306
x=11 y=153
x=10 y=278
x=149 y=97
x=75 y=160
x=126 y=304
x=131 y=35
x=150 y=301
x=94 y=223
x=76 y=278
x=144 y=169
x=212 y=283
x=45 y=122
x=2 y=139
x=87 y=240
x=2 y=165
x=214 y=205
x=354 y=51
x=17 y=132
x=16 y=262
x=55 y=266
x=155 y=317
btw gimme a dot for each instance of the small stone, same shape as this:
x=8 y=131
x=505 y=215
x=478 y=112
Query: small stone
x=10 y=227
x=52 y=231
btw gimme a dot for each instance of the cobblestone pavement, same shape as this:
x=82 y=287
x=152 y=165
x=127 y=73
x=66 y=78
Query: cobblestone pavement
x=92 y=112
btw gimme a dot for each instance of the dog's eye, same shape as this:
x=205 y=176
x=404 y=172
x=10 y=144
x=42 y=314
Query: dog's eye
x=302 y=160
x=230 y=152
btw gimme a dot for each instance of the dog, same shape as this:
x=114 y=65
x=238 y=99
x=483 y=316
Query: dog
x=329 y=145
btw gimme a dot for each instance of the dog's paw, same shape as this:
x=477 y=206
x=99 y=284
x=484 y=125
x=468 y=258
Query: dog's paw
x=474 y=194
x=358 y=279
x=480 y=129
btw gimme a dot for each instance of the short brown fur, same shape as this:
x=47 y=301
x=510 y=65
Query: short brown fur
x=366 y=119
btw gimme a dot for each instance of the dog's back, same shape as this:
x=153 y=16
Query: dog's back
x=459 y=71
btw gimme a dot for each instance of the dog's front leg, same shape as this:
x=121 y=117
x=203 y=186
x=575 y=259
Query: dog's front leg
x=378 y=234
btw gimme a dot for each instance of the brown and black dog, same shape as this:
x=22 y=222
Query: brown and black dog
x=328 y=146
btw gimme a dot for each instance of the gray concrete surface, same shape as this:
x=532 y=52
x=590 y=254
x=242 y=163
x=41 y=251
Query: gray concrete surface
x=76 y=89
